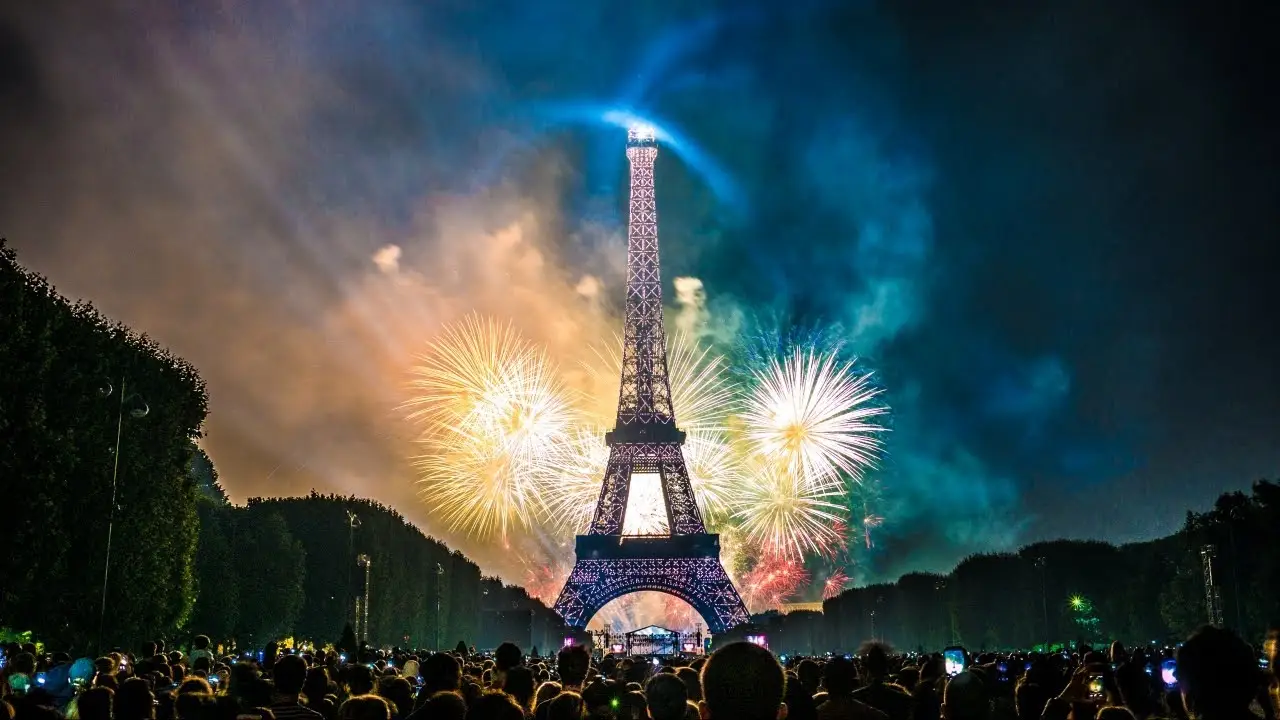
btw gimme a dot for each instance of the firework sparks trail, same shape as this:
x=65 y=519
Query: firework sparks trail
x=772 y=583
x=785 y=516
x=570 y=486
x=835 y=584
x=544 y=580
x=814 y=415
x=491 y=405
x=699 y=393
x=869 y=521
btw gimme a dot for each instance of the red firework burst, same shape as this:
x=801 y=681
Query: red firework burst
x=544 y=581
x=772 y=582
x=835 y=584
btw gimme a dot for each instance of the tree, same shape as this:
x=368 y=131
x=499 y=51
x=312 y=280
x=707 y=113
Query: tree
x=217 y=607
x=205 y=476
x=270 y=564
x=67 y=370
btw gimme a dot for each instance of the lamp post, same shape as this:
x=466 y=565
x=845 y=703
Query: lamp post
x=1041 y=563
x=353 y=522
x=140 y=410
x=439 y=593
x=367 y=563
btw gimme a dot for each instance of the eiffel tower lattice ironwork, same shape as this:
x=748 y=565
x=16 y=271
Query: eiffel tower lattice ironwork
x=683 y=559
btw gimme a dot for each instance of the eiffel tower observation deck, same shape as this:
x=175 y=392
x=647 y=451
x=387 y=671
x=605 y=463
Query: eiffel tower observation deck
x=681 y=558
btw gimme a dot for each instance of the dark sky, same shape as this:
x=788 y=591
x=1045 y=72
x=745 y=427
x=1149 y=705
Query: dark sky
x=1050 y=227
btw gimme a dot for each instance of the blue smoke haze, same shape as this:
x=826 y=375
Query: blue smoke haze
x=1009 y=242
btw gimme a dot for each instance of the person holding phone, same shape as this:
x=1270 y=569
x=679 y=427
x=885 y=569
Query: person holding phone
x=1084 y=693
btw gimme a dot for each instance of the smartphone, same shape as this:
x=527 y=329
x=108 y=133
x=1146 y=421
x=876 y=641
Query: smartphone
x=214 y=680
x=1169 y=672
x=1095 y=687
x=1262 y=663
x=42 y=678
x=953 y=658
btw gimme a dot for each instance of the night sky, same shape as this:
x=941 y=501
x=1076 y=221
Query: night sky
x=1049 y=227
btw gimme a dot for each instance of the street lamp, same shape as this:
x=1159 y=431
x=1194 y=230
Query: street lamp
x=439 y=593
x=1042 y=564
x=353 y=522
x=367 y=563
x=139 y=410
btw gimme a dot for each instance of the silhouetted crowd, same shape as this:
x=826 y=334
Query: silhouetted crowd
x=1214 y=675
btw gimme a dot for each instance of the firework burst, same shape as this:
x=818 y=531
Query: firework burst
x=835 y=584
x=491 y=406
x=815 y=416
x=785 y=516
x=772 y=583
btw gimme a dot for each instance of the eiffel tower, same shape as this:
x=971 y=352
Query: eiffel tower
x=682 y=558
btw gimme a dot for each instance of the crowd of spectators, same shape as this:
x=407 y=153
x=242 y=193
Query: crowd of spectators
x=1218 y=677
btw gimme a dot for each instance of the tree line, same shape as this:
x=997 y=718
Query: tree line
x=1062 y=592
x=90 y=409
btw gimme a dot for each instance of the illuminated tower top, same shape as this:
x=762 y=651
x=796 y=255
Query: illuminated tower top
x=645 y=413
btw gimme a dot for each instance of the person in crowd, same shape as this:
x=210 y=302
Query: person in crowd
x=359 y=679
x=546 y=691
x=573 y=664
x=507 y=656
x=668 y=697
x=1030 y=698
x=134 y=700
x=966 y=698
x=290 y=674
x=494 y=705
x=320 y=693
x=809 y=675
x=840 y=678
x=567 y=705
x=519 y=684
x=1218 y=675
x=742 y=681
x=94 y=704
x=1114 y=712
x=444 y=705
x=195 y=706
x=440 y=673
x=200 y=649
x=800 y=704
x=399 y=693
x=195 y=685
x=879 y=693
x=692 y=683
x=365 y=707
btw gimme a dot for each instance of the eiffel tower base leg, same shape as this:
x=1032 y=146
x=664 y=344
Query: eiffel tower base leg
x=699 y=581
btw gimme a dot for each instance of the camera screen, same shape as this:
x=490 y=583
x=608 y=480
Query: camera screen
x=954 y=660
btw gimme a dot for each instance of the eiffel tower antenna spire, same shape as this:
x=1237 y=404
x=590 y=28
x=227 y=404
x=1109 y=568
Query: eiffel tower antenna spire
x=683 y=559
x=644 y=400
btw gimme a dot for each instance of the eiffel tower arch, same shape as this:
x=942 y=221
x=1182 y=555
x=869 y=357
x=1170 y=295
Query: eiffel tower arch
x=681 y=559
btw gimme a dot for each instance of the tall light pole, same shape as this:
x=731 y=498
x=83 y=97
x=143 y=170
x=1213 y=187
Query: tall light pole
x=353 y=522
x=140 y=410
x=1042 y=564
x=439 y=593
x=367 y=563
